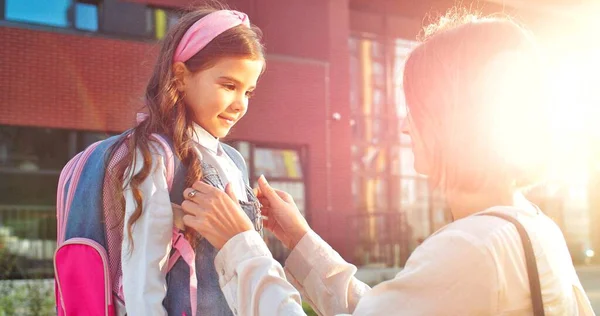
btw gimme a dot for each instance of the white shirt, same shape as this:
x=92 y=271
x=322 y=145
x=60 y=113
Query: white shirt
x=473 y=266
x=212 y=152
x=144 y=266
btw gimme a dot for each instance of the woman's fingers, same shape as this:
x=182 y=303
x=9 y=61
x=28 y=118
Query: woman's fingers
x=205 y=188
x=194 y=222
x=257 y=192
x=191 y=208
x=199 y=191
x=284 y=196
x=264 y=202
x=267 y=191
x=231 y=194
x=265 y=211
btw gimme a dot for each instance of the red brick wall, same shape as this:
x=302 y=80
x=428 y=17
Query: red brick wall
x=69 y=81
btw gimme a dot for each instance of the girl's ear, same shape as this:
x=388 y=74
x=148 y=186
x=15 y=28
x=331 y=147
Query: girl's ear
x=180 y=74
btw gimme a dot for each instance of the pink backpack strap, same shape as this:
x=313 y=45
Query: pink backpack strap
x=65 y=175
x=185 y=251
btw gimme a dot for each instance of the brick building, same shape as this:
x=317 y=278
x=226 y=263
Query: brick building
x=323 y=124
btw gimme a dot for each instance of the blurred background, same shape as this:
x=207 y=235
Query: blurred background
x=324 y=124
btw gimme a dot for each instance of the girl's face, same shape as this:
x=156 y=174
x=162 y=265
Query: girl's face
x=218 y=96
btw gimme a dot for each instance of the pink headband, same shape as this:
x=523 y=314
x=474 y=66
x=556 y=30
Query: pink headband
x=205 y=30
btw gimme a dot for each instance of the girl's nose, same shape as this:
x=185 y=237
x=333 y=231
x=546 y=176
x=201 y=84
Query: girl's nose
x=240 y=104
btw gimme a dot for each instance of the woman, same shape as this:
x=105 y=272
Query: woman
x=475 y=99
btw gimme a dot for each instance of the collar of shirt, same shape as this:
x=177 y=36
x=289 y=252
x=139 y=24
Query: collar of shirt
x=206 y=140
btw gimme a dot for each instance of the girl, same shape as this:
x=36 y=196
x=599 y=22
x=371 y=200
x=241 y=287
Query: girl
x=475 y=100
x=207 y=70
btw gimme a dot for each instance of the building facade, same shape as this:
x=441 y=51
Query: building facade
x=323 y=126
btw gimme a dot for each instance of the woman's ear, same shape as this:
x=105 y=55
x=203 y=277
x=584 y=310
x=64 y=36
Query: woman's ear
x=180 y=74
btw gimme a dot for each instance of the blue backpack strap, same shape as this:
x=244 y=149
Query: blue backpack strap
x=178 y=185
x=238 y=160
x=82 y=221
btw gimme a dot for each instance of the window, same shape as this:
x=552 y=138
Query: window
x=161 y=20
x=79 y=14
x=277 y=163
x=283 y=167
x=31 y=159
x=369 y=103
x=385 y=182
x=33 y=149
x=47 y=12
x=86 y=16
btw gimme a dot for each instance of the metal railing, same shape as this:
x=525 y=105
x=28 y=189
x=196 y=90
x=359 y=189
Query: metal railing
x=379 y=238
x=27 y=241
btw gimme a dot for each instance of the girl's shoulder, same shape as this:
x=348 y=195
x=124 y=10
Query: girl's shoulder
x=159 y=155
x=159 y=148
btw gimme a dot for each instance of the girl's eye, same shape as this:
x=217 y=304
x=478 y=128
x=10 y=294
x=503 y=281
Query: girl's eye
x=249 y=94
x=229 y=86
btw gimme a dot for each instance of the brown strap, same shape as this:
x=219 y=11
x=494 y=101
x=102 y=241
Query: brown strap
x=532 y=269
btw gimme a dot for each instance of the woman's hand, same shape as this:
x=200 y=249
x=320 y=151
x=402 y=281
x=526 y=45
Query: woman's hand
x=282 y=216
x=214 y=214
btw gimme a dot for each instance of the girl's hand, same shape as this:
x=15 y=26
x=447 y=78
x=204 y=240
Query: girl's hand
x=215 y=214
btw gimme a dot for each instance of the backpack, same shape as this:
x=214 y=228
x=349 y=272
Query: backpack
x=87 y=261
